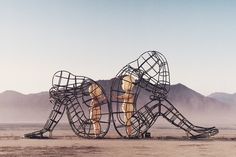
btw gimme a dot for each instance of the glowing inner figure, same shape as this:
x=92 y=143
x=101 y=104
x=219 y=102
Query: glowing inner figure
x=95 y=107
x=128 y=101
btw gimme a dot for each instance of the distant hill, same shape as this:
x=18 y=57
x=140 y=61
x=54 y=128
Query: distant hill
x=17 y=107
x=224 y=97
x=189 y=99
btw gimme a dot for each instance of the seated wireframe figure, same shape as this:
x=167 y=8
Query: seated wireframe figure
x=152 y=84
x=128 y=101
x=85 y=103
x=95 y=108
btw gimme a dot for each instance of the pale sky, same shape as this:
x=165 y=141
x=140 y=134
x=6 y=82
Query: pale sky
x=96 y=38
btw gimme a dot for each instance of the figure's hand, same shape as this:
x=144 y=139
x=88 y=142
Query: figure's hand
x=105 y=98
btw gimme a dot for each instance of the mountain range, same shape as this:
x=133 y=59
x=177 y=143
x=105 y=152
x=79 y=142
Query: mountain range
x=224 y=97
x=17 y=107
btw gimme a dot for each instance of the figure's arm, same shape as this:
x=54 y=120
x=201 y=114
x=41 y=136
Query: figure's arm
x=125 y=96
x=118 y=96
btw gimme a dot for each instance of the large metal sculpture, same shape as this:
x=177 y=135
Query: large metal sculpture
x=85 y=102
x=138 y=96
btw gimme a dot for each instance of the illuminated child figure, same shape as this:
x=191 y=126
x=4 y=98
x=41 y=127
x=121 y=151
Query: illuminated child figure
x=95 y=107
x=128 y=101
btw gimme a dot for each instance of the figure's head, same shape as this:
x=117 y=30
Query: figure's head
x=95 y=90
x=128 y=83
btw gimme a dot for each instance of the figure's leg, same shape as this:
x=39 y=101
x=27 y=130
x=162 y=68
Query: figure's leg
x=128 y=116
x=96 y=115
x=169 y=112
x=146 y=116
x=128 y=110
x=97 y=128
x=54 y=118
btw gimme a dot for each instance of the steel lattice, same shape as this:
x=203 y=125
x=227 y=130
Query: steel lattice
x=138 y=96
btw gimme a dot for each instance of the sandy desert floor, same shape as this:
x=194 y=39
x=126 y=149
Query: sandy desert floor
x=165 y=142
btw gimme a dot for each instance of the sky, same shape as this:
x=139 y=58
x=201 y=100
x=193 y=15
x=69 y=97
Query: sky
x=96 y=38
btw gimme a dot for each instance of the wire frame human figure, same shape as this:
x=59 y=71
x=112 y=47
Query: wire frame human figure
x=85 y=103
x=147 y=98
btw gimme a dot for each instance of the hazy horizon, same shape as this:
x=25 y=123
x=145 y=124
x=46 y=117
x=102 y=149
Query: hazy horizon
x=195 y=107
x=96 y=39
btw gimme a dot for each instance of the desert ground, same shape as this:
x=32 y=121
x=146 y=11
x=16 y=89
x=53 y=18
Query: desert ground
x=166 y=141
